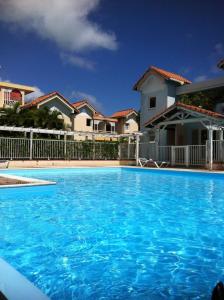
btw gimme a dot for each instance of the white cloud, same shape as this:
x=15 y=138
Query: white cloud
x=200 y=78
x=92 y=99
x=77 y=61
x=65 y=22
x=37 y=93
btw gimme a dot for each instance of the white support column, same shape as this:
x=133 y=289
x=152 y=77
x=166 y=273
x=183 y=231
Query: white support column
x=137 y=149
x=210 y=149
x=31 y=145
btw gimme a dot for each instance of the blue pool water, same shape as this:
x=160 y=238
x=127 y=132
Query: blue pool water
x=116 y=233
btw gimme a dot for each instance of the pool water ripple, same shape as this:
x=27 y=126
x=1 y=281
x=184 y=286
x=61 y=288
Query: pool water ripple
x=116 y=233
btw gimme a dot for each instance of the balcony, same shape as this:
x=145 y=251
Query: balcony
x=12 y=97
x=105 y=131
x=10 y=102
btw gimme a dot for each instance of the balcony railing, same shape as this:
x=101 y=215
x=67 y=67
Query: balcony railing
x=10 y=102
x=104 y=131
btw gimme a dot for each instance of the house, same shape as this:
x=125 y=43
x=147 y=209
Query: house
x=11 y=93
x=90 y=120
x=176 y=128
x=127 y=121
x=160 y=89
x=78 y=116
x=55 y=101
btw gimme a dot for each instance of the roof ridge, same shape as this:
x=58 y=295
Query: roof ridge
x=125 y=109
x=39 y=99
x=162 y=72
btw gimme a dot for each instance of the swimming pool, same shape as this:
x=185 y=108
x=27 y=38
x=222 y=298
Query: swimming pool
x=116 y=233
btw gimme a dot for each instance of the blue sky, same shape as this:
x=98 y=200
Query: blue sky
x=99 y=48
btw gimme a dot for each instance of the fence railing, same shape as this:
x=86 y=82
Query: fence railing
x=187 y=155
x=22 y=148
x=218 y=151
x=127 y=150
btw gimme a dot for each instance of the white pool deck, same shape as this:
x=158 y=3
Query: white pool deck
x=27 y=181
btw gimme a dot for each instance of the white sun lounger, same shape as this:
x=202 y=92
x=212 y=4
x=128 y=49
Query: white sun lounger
x=144 y=161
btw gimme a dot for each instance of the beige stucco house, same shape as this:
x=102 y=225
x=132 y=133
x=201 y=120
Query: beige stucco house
x=11 y=93
x=55 y=101
x=79 y=116
x=90 y=120
x=127 y=121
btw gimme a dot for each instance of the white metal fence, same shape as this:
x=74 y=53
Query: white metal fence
x=22 y=148
x=188 y=155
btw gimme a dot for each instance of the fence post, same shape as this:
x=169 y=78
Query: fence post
x=65 y=146
x=137 y=150
x=31 y=145
x=119 y=149
x=129 y=147
x=172 y=155
x=94 y=149
x=187 y=156
x=210 y=149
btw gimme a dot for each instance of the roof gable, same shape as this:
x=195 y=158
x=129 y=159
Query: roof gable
x=124 y=113
x=48 y=97
x=82 y=103
x=160 y=117
x=163 y=73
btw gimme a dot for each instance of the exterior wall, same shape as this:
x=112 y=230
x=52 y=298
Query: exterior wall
x=133 y=125
x=154 y=86
x=1 y=98
x=165 y=93
x=119 y=127
x=80 y=122
x=188 y=134
x=131 y=120
x=57 y=104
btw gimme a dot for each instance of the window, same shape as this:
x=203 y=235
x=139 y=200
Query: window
x=126 y=126
x=152 y=102
x=88 y=122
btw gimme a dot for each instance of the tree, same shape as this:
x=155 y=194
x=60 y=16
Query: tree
x=206 y=99
x=36 y=118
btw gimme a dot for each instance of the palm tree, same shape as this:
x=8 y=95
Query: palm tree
x=39 y=118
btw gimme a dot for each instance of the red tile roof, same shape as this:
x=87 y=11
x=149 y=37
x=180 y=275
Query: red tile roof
x=98 y=116
x=165 y=74
x=40 y=99
x=123 y=113
x=186 y=107
x=79 y=103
